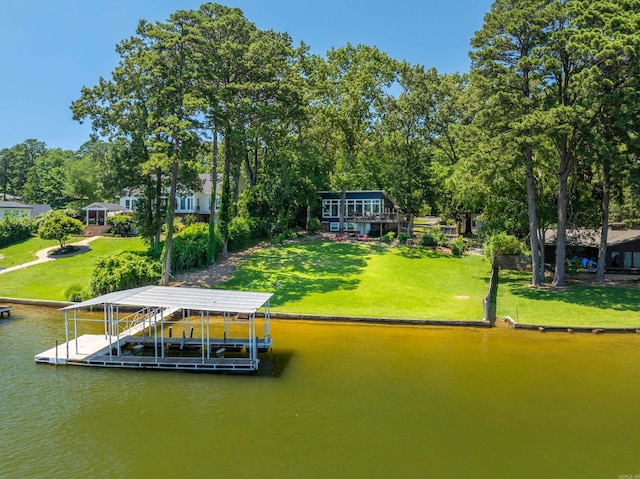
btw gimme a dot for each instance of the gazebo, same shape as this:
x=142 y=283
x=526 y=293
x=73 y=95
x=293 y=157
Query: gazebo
x=97 y=213
x=139 y=324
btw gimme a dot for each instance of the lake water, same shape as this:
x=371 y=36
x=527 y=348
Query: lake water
x=331 y=401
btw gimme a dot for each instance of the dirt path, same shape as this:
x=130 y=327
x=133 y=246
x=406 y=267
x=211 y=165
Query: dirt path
x=217 y=273
x=224 y=268
x=44 y=257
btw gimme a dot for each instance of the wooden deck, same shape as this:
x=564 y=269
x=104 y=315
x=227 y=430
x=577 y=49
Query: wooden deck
x=5 y=310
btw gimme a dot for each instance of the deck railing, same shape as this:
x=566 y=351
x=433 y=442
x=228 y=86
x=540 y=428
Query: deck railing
x=387 y=216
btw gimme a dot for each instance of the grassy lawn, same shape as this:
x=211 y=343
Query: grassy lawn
x=51 y=280
x=24 y=251
x=400 y=282
x=357 y=279
x=577 y=305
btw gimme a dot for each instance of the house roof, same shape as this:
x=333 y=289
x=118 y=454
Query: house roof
x=14 y=204
x=105 y=206
x=201 y=299
x=589 y=238
x=39 y=209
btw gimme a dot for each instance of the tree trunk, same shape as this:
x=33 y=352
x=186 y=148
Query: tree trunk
x=533 y=219
x=343 y=196
x=491 y=299
x=166 y=273
x=212 y=202
x=563 y=205
x=602 y=251
x=158 y=208
x=468 y=227
x=225 y=207
x=236 y=184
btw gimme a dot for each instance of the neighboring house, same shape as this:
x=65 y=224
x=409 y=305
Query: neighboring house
x=623 y=247
x=97 y=213
x=21 y=209
x=367 y=212
x=195 y=203
x=14 y=208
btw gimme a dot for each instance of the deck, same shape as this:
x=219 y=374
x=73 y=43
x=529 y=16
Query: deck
x=5 y=310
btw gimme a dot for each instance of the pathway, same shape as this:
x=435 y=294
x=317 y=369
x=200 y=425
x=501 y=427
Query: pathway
x=43 y=255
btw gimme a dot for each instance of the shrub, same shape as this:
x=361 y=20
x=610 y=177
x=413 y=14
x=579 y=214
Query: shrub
x=388 y=237
x=190 y=248
x=189 y=220
x=434 y=238
x=403 y=237
x=77 y=293
x=122 y=224
x=458 y=246
x=502 y=244
x=123 y=271
x=15 y=228
x=239 y=233
x=313 y=225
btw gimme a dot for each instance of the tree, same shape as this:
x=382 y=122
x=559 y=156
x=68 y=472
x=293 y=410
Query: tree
x=16 y=162
x=45 y=183
x=508 y=72
x=350 y=88
x=60 y=227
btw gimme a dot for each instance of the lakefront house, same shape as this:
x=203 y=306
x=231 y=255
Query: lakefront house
x=367 y=212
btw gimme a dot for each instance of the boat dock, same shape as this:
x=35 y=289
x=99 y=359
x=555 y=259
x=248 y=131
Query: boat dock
x=138 y=340
x=5 y=310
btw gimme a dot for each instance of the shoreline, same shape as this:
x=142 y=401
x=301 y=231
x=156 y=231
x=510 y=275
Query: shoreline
x=509 y=323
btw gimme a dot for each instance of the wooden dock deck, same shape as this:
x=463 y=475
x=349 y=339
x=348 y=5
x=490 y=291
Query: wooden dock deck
x=5 y=310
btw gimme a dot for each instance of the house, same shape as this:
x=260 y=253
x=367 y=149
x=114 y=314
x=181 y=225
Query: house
x=367 y=212
x=623 y=247
x=190 y=203
x=21 y=209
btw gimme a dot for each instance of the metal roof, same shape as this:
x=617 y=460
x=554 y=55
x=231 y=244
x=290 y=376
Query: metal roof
x=201 y=299
x=591 y=238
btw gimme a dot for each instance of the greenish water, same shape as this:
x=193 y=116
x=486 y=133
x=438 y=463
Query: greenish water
x=333 y=400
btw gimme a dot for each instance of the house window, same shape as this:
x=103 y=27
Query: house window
x=636 y=260
x=127 y=204
x=182 y=204
x=326 y=208
x=615 y=259
x=335 y=226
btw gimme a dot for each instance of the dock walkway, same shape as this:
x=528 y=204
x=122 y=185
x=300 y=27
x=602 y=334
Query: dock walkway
x=82 y=347
x=5 y=310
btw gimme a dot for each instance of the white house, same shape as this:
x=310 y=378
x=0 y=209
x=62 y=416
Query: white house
x=195 y=203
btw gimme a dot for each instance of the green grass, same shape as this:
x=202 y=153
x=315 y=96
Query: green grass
x=24 y=251
x=361 y=279
x=356 y=279
x=577 y=305
x=50 y=281
x=347 y=279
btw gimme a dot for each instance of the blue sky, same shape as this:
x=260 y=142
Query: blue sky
x=50 y=49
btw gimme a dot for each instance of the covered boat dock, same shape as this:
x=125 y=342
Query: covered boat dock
x=139 y=323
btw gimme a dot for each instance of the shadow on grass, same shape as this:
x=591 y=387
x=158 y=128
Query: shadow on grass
x=616 y=298
x=291 y=272
x=418 y=252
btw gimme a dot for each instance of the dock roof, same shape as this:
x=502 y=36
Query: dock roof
x=201 y=299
